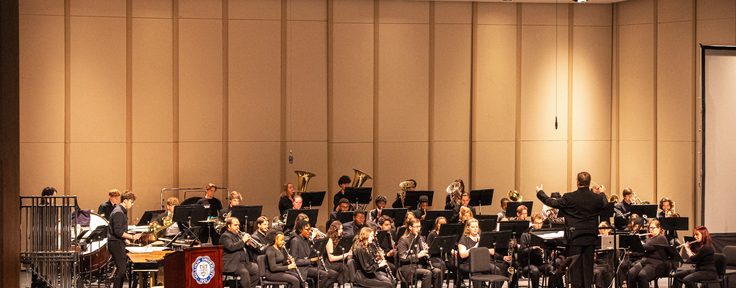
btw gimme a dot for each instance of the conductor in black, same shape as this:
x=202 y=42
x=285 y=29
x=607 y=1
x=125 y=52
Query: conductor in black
x=117 y=237
x=581 y=208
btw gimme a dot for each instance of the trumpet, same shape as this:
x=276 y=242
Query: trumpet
x=253 y=242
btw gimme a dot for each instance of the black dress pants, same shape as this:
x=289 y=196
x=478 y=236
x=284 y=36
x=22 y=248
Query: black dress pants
x=120 y=258
x=248 y=273
x=691 y=277
x=288 y=276
x=582 y=268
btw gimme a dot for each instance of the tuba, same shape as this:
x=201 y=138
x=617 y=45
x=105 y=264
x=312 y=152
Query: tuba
x=358 y=181
x=514 y=196
x=303 y=179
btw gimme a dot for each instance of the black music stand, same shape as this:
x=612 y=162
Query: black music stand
x=427 y=225
x=345 y=217
x=399 y=232
x=516 y=227
x=480 y=198
x=98 y=234
x=452 y=229
x=345 y=243
x=318 y=247
x=246 y=214
x=632 y=242
x=189 y=214
x=496 y=240
x=674 y=223
x=648 y=211
x=291 y=215
x=669 y=252
x=493 y=217
x=382 y=236
x=148 y=216
x=398 y=214
x=412 y=198
x=511 y=207
x=313 y=198
x=442 y=244
x=361 y=195
x=434 y=214
x=487 y=225
x=550 y=238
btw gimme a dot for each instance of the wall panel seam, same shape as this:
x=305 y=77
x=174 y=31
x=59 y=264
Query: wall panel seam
x=129 y=95
x=225 y=94
x=430 y=114
x=67 y=97
x=175 y=90
x=694 y=197
x=570 y=37
x=330 y=98
x=473 y=87
x=284 y=31
x=655 y=28
x=377 y=179
x=517 y=135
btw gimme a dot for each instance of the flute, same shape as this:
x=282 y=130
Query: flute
x=688 y=243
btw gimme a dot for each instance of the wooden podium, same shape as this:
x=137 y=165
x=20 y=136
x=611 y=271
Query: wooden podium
x=180 y=266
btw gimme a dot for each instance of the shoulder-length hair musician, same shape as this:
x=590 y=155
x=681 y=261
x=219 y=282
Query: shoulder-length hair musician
x=651 y=266
x=370 y=268
x=286 y=198
x=701 y=253
x=465 y=214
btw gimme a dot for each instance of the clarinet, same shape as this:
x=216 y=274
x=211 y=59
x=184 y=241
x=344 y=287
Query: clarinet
x=298 y=273
x=425 y=247
x=382 y=256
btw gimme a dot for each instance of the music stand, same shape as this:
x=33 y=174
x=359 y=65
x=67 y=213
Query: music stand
x=148 y=216
x=398 y=214
x=516 y=227
x=631 y=241
x=246 y=213
x=511 y=206
x=607 y=212
x=674 y=223
x=361 y=195
x=487 y=225
x=318 y=247
x=291 y=215
x=313 y=198
x=189 y=214
x=648 y=211
x=480 y=198
x=412 y=198
x=345 y=217
x=434 y=214
x=382 y=236
x=669 y=252
x=98 y=234
x=345 y=243
x=494 y=240
x=548 y=237
x=427 y=226
x=442 y=244
x=486 y=217
x=452 y=229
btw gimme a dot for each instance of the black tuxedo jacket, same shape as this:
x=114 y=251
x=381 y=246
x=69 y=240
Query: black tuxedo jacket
x=581 y=209
x=232 y=252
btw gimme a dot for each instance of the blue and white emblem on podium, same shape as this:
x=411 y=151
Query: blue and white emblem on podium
x=203 y=269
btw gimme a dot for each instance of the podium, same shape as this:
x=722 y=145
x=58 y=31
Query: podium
x=194 y=267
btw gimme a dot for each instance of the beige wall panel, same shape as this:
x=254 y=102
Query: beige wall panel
x=353 y=11
x=450 y=162
x=539 y=14
x=675 y=10
x=403 y=82
x=152 y=171
x=40 y=7
x=452 y=69
x=254 y=171
x=41 y=165
x=592 y=15
x=152 y=81
x=112 y=8
x=453 y=13
x=493 y=167
x=591 y=83
x=636 y=82
x=716 y=9
x=497 y=13
x=399 y=162
x=306 y=10
x=345 y=158
x=593 y=157
x=312 y=157
x=200 y=9
x=352 y=83
x=152 y=8
x=200 y=163
x=254 y=9
x=403 y=12
x=676 y=176
x=636 y=158
x=539 y=102
x=41 y=45
x=542 y=163
x=97 y=79
x=495 y=103
x=562 y=79
x=715 y=32
x=636 y=12
x=200 y=80
x=563 y=14
x=254 y=83
x=675 y=105
x=306 y=78
x=95 y=169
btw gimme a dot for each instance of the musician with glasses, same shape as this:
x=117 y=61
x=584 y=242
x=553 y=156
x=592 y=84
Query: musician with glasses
x=651 y=266
x=301 y=249
x=701 y=253
x=531 y=258
x=344 y=206
x=414 y=257
x=234 y=257
x=353 y=227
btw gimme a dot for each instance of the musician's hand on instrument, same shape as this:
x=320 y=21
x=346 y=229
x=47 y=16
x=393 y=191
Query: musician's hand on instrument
x=422 y=254
x=492 y=251
x=539 y=188
x=383 y=263
x=507 y=258
x=137 y=236
x=391 y=253
x=246 y=238
x=603 y=189
x=291 y=266
x=127 y=242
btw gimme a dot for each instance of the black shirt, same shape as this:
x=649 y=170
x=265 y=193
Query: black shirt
x=623 y=212
x=284 y=204
x=705 y=259
x=214 y=204
x=105 y=209
x=118 y=224
x=336 y=199
x=275 y=260
x=469 y=244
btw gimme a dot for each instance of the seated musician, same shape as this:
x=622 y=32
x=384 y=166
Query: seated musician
x=623 y=209
x=298 y=201
x=234 y=258
x=464 y=201
x=465 y=214
x=286 y=199
x=668 y=210
x=552 y=215
x=342 y=207
x=289 y=232
x=651 y=266
x=421 y=210
x=234 y=200
x=385 y=223
x=531 y=258
x=337 y=258
x=213 y=206
x=174 y=228
x=603 y=272
x=702 y=254
x=436 y=258
x=376 y=213
x=414 y=257
x=408 y=185
x=469 y=240
x=278 y=266
x=262 y=230
x=521 y=213
x=504 y=203
x=343 y=182
x=117 y=237
x=635 y=224
x=353 y=227
x=301 y=249
x=454 y=192
x=105 y=209
x=371 y=271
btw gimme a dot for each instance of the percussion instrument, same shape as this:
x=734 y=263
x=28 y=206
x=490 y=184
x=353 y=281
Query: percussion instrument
x=96 y=255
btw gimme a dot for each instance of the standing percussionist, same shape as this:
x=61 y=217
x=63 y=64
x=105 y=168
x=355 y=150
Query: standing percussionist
x=213 y=205
x=106 y=208
x=234 y=258
x=581 y=208
x=117 y=237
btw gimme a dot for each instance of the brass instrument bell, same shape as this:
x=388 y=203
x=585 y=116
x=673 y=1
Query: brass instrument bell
x=613 y=199
x=360 y=178
x=302 y=180
x=514 y=196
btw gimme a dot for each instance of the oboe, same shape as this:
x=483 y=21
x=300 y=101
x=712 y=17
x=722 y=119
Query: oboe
x=382 y=256
x=298 y=273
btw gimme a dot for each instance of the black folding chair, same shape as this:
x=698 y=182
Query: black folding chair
x=480 y=265
x=262 y=271
x=720 y=269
